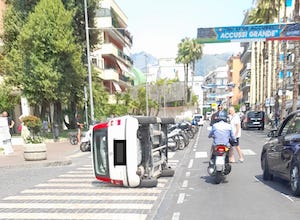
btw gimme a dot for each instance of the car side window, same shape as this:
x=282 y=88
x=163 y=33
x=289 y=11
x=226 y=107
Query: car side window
x=295 y=126
x=288 y=127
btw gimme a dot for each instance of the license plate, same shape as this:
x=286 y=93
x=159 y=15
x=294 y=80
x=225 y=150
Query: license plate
x=256 y=123
x=220 y=160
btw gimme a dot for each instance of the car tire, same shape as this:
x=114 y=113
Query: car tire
x=167 y=172
x=295 y=179
x=148 y=182
x=265 y=167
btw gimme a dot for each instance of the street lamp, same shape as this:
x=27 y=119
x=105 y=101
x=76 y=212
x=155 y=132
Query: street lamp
x=147 y=104
x=89 y=62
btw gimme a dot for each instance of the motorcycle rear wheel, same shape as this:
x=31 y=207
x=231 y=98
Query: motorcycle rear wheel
x=84 y=146
x=218 y=177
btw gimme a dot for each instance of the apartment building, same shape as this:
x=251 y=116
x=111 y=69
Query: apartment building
x=111 y=58
x=234 y=67
x=215 y=88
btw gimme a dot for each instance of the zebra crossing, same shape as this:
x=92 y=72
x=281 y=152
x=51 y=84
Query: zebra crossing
x=77 y=195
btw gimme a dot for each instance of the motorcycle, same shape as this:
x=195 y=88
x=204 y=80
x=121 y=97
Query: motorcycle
x=85 y=144
x=219 y=165
x=175 y=140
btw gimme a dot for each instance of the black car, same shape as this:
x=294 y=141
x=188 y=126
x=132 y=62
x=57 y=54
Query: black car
x=254 y=119
x=280 y=156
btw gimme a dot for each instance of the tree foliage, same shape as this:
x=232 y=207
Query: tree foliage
x=265 y=12
x=7 y=99
x=44 y=61
x=189 y=51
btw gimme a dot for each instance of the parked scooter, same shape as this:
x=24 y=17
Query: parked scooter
x=85 y=144
x=219 y=165
x=175 y=140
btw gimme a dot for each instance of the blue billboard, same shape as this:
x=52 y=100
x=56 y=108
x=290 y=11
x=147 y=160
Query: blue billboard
x=249 y=33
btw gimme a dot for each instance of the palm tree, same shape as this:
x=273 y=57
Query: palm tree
x=189 y=51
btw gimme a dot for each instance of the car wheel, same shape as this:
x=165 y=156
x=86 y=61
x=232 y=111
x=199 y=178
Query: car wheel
x=167 y=172
x=295 y=179
x=265 y=167
x=149 y=182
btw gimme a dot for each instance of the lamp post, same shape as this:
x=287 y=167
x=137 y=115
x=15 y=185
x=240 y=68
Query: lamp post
x=89 y=62
x=147 y=105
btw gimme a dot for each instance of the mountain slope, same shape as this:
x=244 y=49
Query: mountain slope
x=207 y=63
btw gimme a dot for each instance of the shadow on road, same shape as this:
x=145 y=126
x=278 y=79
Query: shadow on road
x=277 y=184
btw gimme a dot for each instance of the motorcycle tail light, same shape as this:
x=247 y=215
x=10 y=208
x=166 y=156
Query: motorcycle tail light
x=221 y=149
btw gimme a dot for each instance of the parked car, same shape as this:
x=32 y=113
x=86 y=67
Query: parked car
x=280 y=155
x=198 y=120
x=254 y=119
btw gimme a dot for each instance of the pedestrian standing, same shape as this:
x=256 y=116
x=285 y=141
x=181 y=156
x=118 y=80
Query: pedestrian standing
x=220 y=114
x=80 y=125
x=10 y=122
x=235 y=122
x=5 y=136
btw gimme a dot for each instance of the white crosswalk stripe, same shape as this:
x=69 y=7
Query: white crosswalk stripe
x=78 y=195
x=248 y=152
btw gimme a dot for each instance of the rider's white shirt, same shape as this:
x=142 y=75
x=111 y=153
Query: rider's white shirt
x=235 y=120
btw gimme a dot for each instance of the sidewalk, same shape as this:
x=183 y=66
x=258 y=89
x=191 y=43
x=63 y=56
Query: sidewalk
x=57 y=155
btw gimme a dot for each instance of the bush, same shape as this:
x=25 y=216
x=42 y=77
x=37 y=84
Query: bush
x=34 y=125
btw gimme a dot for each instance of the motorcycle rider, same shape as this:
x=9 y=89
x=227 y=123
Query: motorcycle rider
x=221 y=132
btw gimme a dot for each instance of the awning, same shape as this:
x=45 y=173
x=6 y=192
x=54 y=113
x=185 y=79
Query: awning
x=117 y=86
x=125 y=70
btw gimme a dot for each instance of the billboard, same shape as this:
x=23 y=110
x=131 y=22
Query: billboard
x=259 y=32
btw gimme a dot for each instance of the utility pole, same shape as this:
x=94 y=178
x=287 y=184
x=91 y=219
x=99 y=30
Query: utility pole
x=283 y=95
x=89 y=62
x=296 y=62
x=146 y=62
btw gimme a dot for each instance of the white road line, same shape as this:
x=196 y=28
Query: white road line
x=171 y=154
x=180 y=198
x=77 y=216
x=173 y=161
x=80 y=198
x=78 y=184
x=85 y=168
x=77 y=175
x=73 y=185
x=287 y=196
x=248 y=152
x=176 y=216
x=76 y=206
x=191 y=163
x=187 y=174
x=109 y=190
x=81 y=172
x=185 y=184
x=201 y=155
x=79 y=154
x=70 y=180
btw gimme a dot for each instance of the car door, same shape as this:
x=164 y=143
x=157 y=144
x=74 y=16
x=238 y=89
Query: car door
x=280 y=152
x=290 y=143
x=275 y=147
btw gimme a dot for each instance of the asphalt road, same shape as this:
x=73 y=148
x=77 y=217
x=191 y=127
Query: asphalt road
x=244 y=195
x=71 y=192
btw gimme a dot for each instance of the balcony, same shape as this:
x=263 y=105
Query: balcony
x=109 y=74
x=126 y=80
x=111 y=49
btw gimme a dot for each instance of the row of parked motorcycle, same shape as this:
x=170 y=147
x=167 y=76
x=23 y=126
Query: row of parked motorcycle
x=180 y=134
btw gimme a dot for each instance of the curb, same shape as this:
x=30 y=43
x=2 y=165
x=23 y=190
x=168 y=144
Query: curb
x=39 y=164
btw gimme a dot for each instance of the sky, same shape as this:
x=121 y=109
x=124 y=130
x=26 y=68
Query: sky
x=158 y=26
